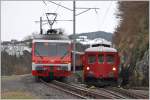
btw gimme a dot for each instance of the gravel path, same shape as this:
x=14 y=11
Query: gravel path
x=25 y=84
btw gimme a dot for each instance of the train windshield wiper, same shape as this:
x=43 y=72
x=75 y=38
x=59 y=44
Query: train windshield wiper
x=37 y=52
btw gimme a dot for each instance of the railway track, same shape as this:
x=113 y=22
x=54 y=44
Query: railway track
x=101 y=93
x=117 y=96
x=88 y=93
x=140 y=88
x=130 y=94
x=119 y=93
x=106 y=92
x=80 y=92
x=64 y=90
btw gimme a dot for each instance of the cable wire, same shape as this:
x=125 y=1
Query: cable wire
x=105 y=15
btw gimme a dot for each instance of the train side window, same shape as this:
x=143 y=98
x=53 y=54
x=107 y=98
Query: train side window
x=100 y=58
x=110 y=59
x=91 y=59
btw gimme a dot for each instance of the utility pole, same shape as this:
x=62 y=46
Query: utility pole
x=74 y=33
x=41 y=30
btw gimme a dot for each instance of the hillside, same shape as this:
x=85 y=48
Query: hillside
x=93 y=35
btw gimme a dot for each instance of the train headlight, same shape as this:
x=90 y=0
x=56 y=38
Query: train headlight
x=88 y=68
x=114 y=69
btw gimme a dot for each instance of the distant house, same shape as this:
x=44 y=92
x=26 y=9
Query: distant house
x=15 y=47
x=95 y=42
x=14 y=41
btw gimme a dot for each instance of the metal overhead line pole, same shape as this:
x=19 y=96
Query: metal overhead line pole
x=41 y=30
x=74 y=33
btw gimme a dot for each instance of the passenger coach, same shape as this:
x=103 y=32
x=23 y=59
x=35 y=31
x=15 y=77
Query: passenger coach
x=100 y=63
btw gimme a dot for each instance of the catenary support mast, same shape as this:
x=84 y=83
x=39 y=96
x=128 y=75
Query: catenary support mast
x=74 y=34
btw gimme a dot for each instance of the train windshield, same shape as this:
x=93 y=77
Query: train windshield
x=51 y=49
x=91 y=59
x=110 y=59
x=100 y=58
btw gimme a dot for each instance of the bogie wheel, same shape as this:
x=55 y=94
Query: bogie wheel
x=61 y=79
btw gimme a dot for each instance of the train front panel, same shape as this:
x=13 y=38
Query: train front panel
x=101 y=65
x=51 y=58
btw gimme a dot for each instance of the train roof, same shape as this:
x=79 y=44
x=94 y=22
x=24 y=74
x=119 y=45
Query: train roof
x=100 y=49
x=57 y=41
x=50 y=37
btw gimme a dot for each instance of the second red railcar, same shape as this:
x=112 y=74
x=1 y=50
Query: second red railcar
x=101 y=63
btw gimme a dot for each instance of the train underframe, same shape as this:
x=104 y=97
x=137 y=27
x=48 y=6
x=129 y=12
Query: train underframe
x=101 y=81
x=49 y=73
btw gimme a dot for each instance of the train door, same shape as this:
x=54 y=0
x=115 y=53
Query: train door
x=100 y=67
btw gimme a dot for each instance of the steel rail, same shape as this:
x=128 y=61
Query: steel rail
x=84 y=91
x=114 y=93
x=117 y=96
x=140 y=88
x=129 y=93
x=64 y=90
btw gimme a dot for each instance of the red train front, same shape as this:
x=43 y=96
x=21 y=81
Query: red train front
x=51 y=58
x=101 y=63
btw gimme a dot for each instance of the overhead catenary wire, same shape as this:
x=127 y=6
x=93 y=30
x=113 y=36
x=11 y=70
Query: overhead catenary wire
x=82 y=12
x=60 y=5
x=57 y=7
x=44 y=2
x=105 y=15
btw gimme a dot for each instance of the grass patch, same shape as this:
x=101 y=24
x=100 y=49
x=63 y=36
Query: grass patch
x=16 y=95
x=7 y=77
x=13 y=77
x=79 y=73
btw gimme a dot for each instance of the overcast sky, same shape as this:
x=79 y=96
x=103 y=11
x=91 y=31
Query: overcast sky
x=17 y=17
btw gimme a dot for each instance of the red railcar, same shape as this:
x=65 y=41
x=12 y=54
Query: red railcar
x=100 y=63
x=51 y=58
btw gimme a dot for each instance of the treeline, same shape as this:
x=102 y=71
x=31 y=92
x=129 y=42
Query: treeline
x=13 y=65
x=132 y=40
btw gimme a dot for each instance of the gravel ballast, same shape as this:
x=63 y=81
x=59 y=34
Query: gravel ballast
x=24 y=86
